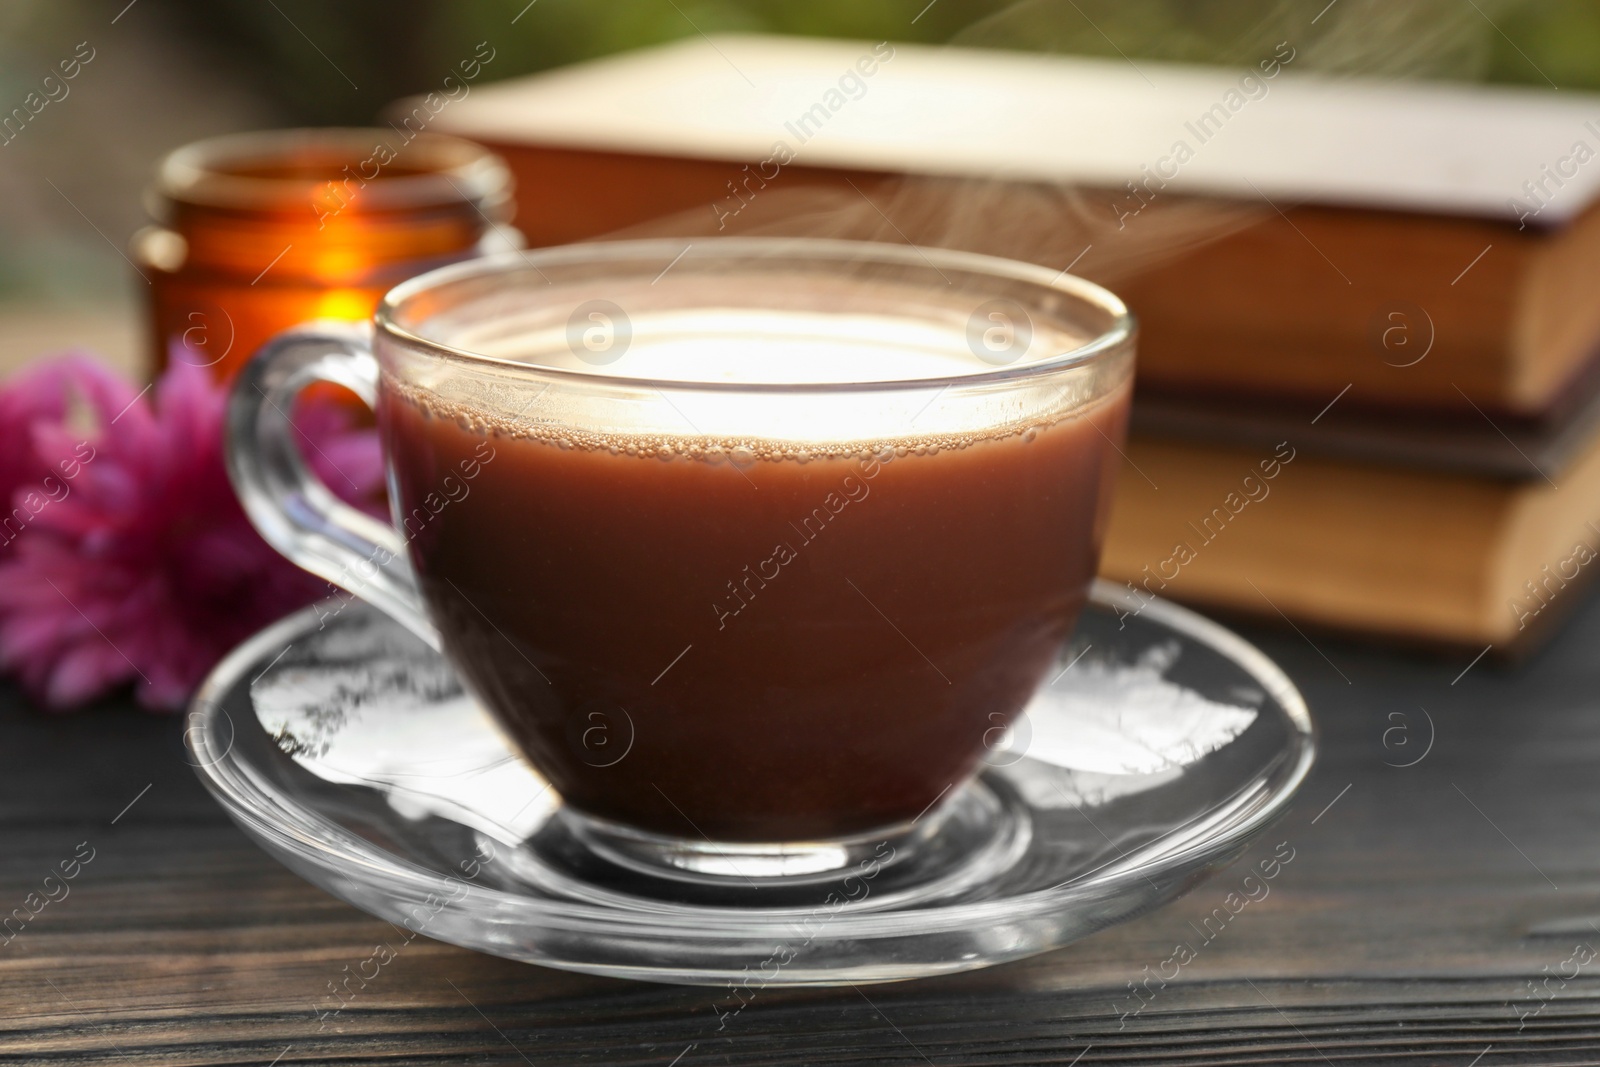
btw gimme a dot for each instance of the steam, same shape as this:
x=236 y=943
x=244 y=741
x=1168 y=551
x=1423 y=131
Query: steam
x=1061 y=224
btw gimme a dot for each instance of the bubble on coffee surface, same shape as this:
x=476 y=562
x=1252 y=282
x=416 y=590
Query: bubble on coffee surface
x=764 y=349
x=739 y=452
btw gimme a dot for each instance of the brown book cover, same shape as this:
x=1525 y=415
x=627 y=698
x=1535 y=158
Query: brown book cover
x=1423 y=556
x=1507 y=447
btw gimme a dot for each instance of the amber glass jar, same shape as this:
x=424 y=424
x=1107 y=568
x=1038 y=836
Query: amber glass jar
x=262 y=231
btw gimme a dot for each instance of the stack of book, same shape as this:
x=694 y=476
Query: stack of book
x=1368 y=393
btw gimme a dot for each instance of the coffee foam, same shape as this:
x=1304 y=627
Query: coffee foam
x=741 y=451
x=641 y=396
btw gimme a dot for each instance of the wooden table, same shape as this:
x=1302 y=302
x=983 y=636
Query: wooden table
x=1403 y=926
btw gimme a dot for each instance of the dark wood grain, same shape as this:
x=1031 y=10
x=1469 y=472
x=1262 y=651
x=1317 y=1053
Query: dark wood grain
x=1400 y=931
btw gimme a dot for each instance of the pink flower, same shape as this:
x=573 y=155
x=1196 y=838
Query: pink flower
x=138 y=564
x=45 y=395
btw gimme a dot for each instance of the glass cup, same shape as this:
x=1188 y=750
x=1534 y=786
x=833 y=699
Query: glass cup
x=754 y=547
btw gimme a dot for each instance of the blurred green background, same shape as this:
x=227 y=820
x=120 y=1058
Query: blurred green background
x=168 y=71
x=393 y=47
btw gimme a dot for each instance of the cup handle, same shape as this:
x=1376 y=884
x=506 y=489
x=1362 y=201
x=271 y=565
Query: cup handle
x=288 y=505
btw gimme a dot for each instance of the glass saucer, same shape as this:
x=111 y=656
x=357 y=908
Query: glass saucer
x=1159 y=749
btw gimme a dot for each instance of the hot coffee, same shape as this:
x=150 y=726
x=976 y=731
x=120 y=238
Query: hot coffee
x=754 y=639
